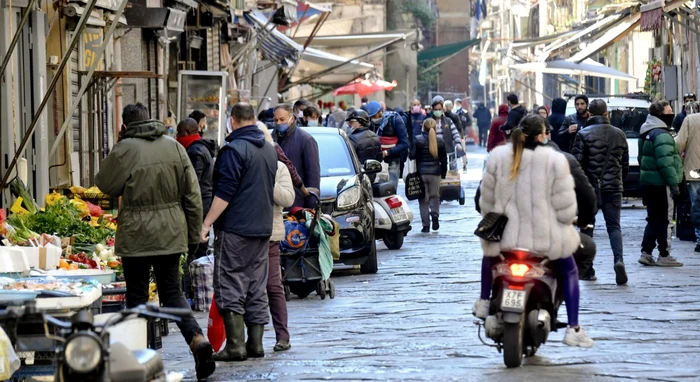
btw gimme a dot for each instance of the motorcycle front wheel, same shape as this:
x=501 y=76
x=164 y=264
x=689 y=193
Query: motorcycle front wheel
x=513 y=343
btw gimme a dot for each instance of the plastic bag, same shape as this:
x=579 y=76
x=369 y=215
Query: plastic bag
x=9 y=362
x=295 y=236
x=216 y=331
x=82 y=206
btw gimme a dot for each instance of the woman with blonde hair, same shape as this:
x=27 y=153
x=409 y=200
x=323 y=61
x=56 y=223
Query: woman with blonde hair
x=431 y=161
x=531 y=184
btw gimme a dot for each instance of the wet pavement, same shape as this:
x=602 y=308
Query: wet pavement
x=412 y=320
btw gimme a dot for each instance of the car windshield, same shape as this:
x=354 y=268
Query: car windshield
x=335 y=157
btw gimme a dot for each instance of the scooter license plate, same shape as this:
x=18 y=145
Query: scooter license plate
x=513 y=299
x=398 y=214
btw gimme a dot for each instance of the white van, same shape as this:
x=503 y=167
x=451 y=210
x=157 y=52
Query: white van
x=628 y=114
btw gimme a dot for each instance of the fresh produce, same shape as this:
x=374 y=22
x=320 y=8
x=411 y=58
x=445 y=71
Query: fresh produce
x=82 y=258
x=19 y=233
x=20 y=190
x=95 y=211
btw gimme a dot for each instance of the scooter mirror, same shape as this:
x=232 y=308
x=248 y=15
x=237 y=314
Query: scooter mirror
x=372 y=166
x=695 y=174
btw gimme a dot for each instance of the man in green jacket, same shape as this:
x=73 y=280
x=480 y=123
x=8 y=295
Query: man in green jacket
x=661 y=171
x=160 y=214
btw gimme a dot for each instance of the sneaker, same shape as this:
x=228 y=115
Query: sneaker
x=697 y=248
x=668 y=261
x=436 y=222
x=646 y=259
x=620 y=273
x=588 y=278
x=481 y=308
x=426 y=229
x=577 y=337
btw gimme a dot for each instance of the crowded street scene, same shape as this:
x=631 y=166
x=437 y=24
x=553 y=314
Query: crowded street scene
x=354 y=190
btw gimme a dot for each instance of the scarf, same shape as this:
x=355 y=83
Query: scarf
x=187 y=141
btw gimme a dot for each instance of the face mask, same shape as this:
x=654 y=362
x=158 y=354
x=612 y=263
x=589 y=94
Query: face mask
x=437 y=113
x=545 y=141
x=376 y=121
x=300 y=114
x=458 y=107
x=667 y=118
x=416 y=109
x=312 y=123
x=282 y=127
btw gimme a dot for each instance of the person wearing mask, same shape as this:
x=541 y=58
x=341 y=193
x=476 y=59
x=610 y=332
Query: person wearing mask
x=602 y=150
x=556 y=119
x=299 y=107
x=688 y=142
x=431 y=161
x=483 y=121
x=393 y=135
x=497 y=136
x=201 y=119
x=312 y=117
x=449 y=113
x=416 y=117
x=573 y=123
x=242 y=216
x=364 y=100
x=678 y=120
x=337 y=117
x=365 y=142
x=345 y=126
x=531 y=184
x=283 y=198
x=447 y=131
x=157 y=184
x=660 y=173
x=516 y=113
x=543 y=112
x=302 y=150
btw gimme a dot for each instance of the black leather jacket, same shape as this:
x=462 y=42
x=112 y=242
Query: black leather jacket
x=366 y=144
x=591 y=147
x=425 y=163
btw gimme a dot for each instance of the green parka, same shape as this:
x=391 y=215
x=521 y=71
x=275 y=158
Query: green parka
x=161 y=207
x=659 y=161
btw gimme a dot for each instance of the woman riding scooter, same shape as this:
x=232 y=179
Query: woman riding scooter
x=531 y=184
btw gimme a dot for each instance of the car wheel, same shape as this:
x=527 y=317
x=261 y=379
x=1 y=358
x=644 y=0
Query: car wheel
x=370 y=265
x=394 y=240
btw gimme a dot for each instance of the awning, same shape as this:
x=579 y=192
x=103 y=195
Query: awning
x=446 y=50
x=582 y=33
x=616 y=32
x=586 y=68
x=353 y=40
x=532 y=42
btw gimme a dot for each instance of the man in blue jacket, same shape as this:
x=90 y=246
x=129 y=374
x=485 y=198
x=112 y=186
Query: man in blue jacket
x=391 y=129
x=242 y=215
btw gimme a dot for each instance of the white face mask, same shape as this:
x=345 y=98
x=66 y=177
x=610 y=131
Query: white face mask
x=300 y=114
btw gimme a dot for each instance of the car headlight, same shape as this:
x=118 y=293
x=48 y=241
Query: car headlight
x=83 y=353
x=349 y=198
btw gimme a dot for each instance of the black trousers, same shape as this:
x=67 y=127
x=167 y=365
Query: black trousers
x=483 y=136
x=585 y=255
x=166 y=268
x=659 y=211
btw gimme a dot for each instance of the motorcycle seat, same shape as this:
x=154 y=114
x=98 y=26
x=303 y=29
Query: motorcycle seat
x=383 y=189
x=151 y=362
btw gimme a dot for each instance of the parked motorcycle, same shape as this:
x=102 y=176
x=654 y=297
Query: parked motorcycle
x=82 y=348
x=524 y=305
x=392 y=215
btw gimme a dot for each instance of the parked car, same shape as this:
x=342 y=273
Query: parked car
x=627 y=113
x=346 y=195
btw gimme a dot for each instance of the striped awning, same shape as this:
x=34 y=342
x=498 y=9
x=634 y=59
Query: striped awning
x=273 y=44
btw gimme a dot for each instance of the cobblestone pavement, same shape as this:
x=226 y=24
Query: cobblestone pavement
x=412 y=320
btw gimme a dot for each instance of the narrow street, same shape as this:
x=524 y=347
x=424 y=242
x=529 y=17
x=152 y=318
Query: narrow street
x=412 y=320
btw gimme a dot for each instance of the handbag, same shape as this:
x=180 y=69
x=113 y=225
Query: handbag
x=415 y=189
x=492 y=225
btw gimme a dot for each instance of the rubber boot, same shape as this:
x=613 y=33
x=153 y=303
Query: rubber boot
x=204 y=364
x=235 y=349
x=254 y=346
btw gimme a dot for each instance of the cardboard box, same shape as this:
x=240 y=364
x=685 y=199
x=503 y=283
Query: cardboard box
x=13 y=260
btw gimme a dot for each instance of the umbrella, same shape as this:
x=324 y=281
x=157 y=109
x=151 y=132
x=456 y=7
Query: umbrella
x=365 y=87
x=587 y=67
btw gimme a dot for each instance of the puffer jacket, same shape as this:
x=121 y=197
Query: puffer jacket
x=591 y=147
x=659 y=161
x=564 y=139
x=366 y=144
x=540 y=204
x=556 y=120
x=161 y=208
x=447 y=131
x=688 y=142
x=284 y=198
x=425 y=163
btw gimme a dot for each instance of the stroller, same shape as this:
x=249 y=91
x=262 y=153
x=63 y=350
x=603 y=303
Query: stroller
x=301 y=266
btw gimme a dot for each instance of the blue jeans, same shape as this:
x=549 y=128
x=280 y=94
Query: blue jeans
x=395 y=172
x=694 y=186
x=611 y=205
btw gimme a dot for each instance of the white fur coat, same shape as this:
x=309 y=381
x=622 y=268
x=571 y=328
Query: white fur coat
x=540 y=204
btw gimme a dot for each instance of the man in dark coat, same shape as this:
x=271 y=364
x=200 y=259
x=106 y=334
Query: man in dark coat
x=160 y=214
x=365 y=142
x=556 y=119
x=483 y=121
x=242 y=215
x=301 y=148
x=573 y=123
x=416 y=116
x=392 y=132
x=602 y=150
x=678 y=121
x=516 y=113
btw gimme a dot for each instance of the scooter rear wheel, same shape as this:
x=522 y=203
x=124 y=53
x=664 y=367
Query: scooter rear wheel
x=513 y=343
x=394 y=240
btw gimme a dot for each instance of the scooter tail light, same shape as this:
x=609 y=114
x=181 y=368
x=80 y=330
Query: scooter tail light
x=393 y=202
x=519 y=270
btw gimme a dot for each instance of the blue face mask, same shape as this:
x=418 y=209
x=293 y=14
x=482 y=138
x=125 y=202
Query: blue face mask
x=545 y=141
x=282 y=127
x=312 y=123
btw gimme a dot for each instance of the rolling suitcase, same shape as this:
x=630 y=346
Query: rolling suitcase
x=684 y=225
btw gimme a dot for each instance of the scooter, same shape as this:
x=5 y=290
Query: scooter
x=392 y=215
x=82 y=349
x=524 y=305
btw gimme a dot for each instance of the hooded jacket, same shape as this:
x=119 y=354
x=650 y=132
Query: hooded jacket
x=556 y=119
x=301 y=148
x=688 y=142
x=496 y=136
x=201 y=154
x=244 y=176
x=540 y=204
x=515 y=115
x=161 y=208
x=659 y=161
x=483 y=117
x=591 y=147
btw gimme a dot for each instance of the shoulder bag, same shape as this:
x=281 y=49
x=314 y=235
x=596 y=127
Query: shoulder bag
x=492 y=225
